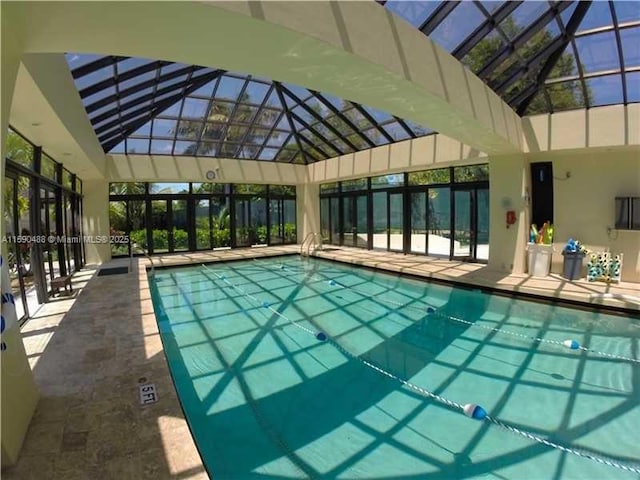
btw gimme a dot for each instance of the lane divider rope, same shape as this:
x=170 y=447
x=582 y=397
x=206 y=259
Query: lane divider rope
x=470 y=410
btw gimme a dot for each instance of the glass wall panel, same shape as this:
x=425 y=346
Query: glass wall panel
x=396 y=222
x=362 y=236
x=430 y=177
x=180 y=230
x=289 y=217
x=118 y=223
x=242 y=222
x=330 y=187
x=439 y=221
x=354 y=185
x=14 y=246
x=258 y=221
x=348 y=221
x=131 y=188
x=204 y=232
x=48 y=167
x=419 y=222
x=325 y=220
x=210 y=188
x=276 y=225
x=18 y=150
x=159 y=226
x=463 y=223
x=168 y=188
x=471 y=173
x=67 y=179
x=482 y=239
x=387 y=181
x=220 y=222
x=380 y=227
x=137 y=222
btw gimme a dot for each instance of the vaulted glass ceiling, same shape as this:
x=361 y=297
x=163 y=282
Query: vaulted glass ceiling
x=539 y=56
x=163 y=108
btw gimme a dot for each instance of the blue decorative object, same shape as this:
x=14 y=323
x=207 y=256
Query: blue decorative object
x=321 y=336
x=332 y=282
x=572 y=344
x=472 y=410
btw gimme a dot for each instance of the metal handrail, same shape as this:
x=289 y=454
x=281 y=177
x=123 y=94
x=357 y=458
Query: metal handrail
x=313 y=236
x=145 y=253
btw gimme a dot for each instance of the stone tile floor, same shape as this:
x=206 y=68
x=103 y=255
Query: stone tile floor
x=90 y=351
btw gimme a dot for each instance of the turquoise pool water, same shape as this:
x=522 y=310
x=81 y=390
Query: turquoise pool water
x=266 y=399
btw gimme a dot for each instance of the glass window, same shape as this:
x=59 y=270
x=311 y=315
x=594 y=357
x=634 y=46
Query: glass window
x=598 y=52
x=429 y=177
x=354 y=185
x=135 y=145
x=471 y=173
x=210 y=187
x=255 y=93
x=249 y=189
x=387 y=181
x=48 y=168
x=439 y=225
x=168 y=188
x=67 y=179
x=329 y=187
x=127 y=188
x=288 y=190
x=18 y=150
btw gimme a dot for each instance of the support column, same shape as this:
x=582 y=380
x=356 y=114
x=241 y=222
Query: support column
x=19 y=393
x=508 y=180
x=95 y=209
x=308 y=209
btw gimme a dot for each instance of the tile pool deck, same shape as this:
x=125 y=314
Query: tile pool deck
x=90 y=351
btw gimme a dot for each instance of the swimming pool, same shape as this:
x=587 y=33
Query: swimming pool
x=382 y=395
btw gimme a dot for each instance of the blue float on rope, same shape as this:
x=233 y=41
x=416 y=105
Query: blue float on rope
x=572 y=344
x=474 y=411
x=332 y=282
x=266 y=304
x=321 y=336
x=430 y=310
x=223 y=277
x=281 y=267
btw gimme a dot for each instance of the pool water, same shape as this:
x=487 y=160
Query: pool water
x=265 y=398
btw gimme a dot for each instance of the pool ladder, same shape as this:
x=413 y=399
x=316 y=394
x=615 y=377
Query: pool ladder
x=312 y=242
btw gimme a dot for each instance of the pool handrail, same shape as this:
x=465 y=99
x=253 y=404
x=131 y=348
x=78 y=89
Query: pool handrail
x=145 y=253
x=311 y=237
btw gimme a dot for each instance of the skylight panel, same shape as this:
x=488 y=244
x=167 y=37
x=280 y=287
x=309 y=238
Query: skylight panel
x=463 y=20
x=414 y=12
x=630 y=38
x=598 y=52
x=605 y=90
